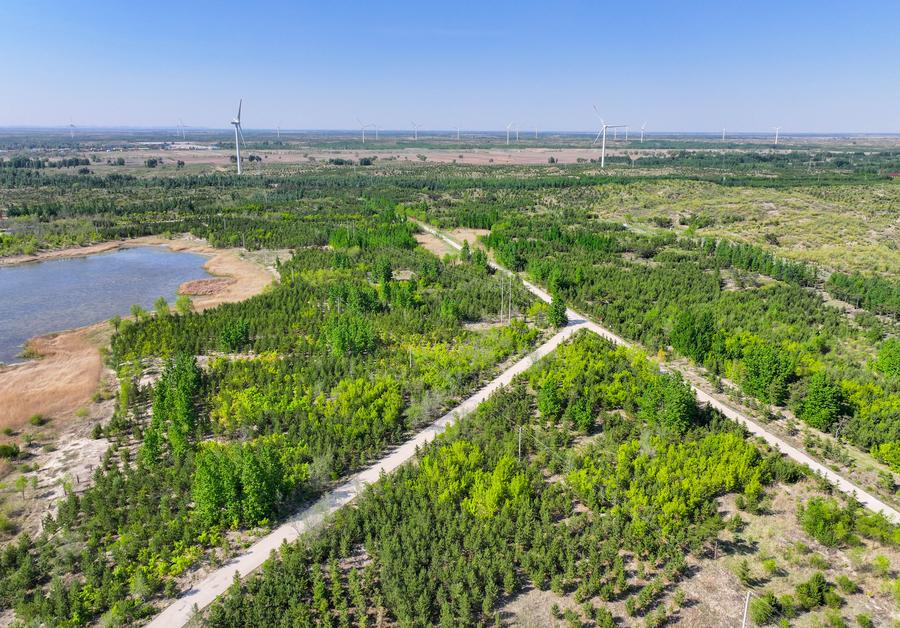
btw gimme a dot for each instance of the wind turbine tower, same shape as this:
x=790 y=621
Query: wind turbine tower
x=602 y=133
x=415 y=131
x=508 y=127
x=723 y=133
x=238 y=135
x=363 y=128
x=643 y=126
x=777 y=129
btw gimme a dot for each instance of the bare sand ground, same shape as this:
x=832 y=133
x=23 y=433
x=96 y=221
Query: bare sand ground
x=58 y=384
x=501 y=155
x=434 y=244
x=69 y=370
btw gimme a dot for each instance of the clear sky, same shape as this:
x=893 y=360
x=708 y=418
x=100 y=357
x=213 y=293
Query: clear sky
x=679 y=65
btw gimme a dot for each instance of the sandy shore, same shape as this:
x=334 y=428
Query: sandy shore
x=68 y=373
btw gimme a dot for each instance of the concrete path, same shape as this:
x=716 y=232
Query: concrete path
x=207 y=590
x=204 y=592
x=866 y=499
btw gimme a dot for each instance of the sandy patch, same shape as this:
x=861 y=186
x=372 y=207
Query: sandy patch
x=205 y=287
x=247 y=277
x=68 y=373
x=469 y=235
x=434 y=244
x=62 y=381
x=43 y=256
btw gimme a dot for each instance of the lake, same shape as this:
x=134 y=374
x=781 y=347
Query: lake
x=43 y=297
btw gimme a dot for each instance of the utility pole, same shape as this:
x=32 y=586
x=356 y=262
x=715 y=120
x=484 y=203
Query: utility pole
x=746 y=606
x=509 y=309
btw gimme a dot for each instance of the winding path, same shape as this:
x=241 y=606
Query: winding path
x=179 y=612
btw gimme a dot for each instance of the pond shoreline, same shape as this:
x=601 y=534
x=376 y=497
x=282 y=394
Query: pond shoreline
x=68 y=369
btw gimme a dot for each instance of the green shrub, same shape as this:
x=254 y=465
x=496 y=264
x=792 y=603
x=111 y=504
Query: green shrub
x=824 y=520
x=833 y=619
x=811 y=594
x=788 y=605
x=763 y=609
x=881 y=565
x=846 y=585
x=832 y=599
x=9 y=450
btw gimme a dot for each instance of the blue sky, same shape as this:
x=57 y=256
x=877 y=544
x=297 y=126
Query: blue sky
x=678 y=65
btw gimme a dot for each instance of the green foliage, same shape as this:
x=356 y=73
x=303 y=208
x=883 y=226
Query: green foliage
x=693 y=333
x=244 y=483
x=234 y=336
x=472 y=516
x=669 y=403
x=768 y=371
x=763 y=609
x=556 y=316
x=349 y=333
x=9 y=450
x=824 y=520
x=888 y=361
x=811 y=594
x=823 y=402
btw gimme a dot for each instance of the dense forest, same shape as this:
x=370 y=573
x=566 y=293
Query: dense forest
x=610 y=493
x=714 y=302
x=229 y=419
x=260 y=405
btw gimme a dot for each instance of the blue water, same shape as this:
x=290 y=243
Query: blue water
x=43 y=297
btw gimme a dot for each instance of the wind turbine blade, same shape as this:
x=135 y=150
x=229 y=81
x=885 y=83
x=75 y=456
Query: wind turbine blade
x=241 y=133
x=599 y=133
x=240 y=104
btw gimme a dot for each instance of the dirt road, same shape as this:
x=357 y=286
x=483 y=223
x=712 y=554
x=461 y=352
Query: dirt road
x=205 y=592
x=866 y=499
x=179 y=612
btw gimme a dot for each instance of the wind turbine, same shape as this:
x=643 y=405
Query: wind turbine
x=626 y=133
x=508 y=127
x=517 y=134
x=416 y=128
x=723 y=133
x=363 y=128
x=643 y=126
x=602 y=133
x=777 y=129
x=238 y=135
x=457 y=134
x=181 y=126
x=278 y=132
x=535 y=132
